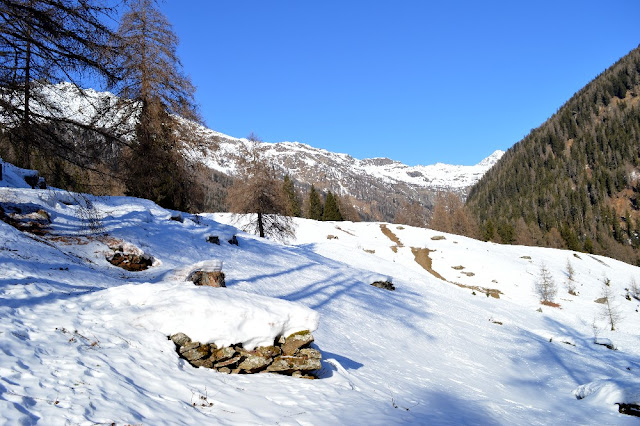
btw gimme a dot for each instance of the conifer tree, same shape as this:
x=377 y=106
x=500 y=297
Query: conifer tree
x=331 y=210
x=315 y=208
x=293 y=204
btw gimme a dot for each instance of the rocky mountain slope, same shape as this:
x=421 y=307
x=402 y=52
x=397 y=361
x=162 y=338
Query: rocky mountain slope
x=381 y=183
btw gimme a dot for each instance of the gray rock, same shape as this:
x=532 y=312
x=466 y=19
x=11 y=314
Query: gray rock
x=196 y=353
x=309 y=353
x=386 y=285
x=189 y=346
x=224 y=354
x=254 y=363
x=295 y=341
x=228 y=363
x=211 y=279
x=204 y=362
x=180 y=339
x=290 y=364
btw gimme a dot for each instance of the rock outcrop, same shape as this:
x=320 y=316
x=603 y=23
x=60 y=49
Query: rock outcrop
x=26 y=217
x=290 y=356
x=386 y=285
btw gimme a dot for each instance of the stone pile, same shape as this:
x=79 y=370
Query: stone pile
x=291 y=356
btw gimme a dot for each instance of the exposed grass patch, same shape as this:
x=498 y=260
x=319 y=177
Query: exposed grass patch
x=469 y=274
x=389 y=233
x=423 y=259
x=458 y=268
x=438 y=237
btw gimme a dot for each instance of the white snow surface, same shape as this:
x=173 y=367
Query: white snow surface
x=83 y=342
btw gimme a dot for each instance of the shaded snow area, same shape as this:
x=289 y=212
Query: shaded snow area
x=85 y=342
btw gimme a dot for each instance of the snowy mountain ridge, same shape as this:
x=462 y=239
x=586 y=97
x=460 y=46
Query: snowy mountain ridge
x=295 y=158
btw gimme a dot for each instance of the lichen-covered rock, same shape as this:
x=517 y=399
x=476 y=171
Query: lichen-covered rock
x=264 y=359
x=230 y=363
x=205 y=363
x=296 y=341
x=290 y=364
x=195 y=353
x=224 y=354
x=180 y=339
x=269 y=351
x=309 y=353
x=208 y=278
x=254 y=363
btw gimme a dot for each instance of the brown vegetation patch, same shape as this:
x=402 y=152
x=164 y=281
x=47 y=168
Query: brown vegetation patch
x=438 y=237
x=493 y=292
x=458 y=268
x=423 y=259
x=469 y=274
x=369 y=251
x=549 y=303
x=346 y=232
x=69 y=240
x=389 y=233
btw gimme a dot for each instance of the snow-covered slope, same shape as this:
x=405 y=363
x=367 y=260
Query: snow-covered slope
x=84 y=342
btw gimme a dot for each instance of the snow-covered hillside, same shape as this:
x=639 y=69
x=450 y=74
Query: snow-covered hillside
x=84 y=342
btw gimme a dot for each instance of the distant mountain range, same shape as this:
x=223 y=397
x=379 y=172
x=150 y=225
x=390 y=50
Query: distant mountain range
x=375 y=186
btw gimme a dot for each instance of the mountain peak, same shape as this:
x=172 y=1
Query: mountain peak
x=492 y=159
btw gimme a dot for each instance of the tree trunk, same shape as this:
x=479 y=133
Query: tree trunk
x=260 y=225
x=26 y=131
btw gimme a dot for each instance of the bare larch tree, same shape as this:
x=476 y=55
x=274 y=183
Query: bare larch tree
x=154 y=80
x=257 y=190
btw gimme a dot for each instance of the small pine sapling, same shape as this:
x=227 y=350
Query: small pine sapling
x=545 y=286
x=609 y=311
x=570 y=284
x=634 y=290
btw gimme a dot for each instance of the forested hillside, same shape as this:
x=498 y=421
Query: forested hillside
x=574 y=181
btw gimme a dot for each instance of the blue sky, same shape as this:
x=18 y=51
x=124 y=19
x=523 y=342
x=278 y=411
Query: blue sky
x=416 y=81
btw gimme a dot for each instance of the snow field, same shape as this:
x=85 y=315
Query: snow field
x=84 y=342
